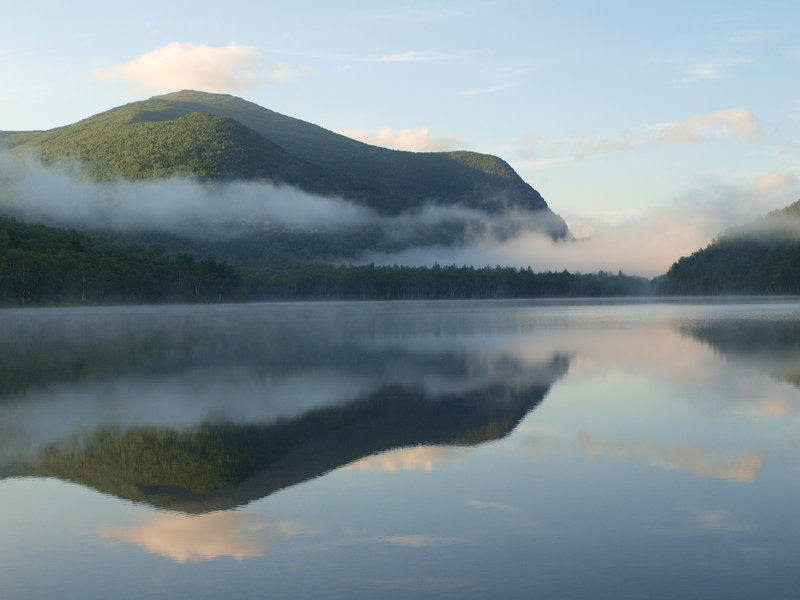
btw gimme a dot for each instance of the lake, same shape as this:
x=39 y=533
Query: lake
x=401 y=450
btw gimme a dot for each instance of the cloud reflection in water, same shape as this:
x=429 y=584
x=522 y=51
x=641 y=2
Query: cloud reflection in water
x=188 y=538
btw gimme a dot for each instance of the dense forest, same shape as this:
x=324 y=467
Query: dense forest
x=763 y=258
x=220 y=137
x=42 y=265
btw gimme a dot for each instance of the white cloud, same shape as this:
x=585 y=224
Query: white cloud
x=777 y=180
x=414 y=140
x=190 y=66
x=728 y=123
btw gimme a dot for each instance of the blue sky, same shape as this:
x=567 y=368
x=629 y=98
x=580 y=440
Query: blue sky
x=613 y=111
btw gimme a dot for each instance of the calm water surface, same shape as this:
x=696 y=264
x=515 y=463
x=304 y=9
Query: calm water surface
x=401 y=450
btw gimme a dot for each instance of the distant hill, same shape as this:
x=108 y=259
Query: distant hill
x=220 y=137
x=763 y=258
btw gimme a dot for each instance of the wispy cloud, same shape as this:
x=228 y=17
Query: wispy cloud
x=777 y=180
x=541 y=147
x=411 y=56
x=192 y=66
x=412 y=14
x=748 y=36
x=413 y=140
x=488 y=90
x=712 y=68
x=728 y=123
x=405 y=56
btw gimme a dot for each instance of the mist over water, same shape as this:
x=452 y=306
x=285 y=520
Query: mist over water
x=419 y=439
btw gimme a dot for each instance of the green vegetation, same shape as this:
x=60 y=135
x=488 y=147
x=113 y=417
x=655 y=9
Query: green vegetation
x=761 y=259
x=441 y=283
x=221 y=137
x=10 y=139
x=218 y=466
x=45 y=265
x=198 y=145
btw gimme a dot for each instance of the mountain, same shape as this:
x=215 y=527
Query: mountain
x=769 y=345
x=762 y=258
x=222 y=466
x=220 y=137
x=207 y=408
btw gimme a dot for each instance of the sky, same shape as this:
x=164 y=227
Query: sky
x=622 y=114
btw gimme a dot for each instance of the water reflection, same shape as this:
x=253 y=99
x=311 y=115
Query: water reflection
x=189 y=538
x=203 y=414
x=738 y=465
x=771 y=345
x=460 y=444
x=409 y=459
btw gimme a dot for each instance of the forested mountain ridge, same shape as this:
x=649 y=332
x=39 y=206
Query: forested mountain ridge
x=762 y=258
x=222 y=137
x=42 y=265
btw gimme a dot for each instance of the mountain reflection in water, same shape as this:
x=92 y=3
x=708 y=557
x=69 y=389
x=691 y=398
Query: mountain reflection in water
x=772 y=346
x=209 y=412
x=446 y=450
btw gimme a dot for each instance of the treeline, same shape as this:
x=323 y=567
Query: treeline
x=762 y=258
x=47 y=265
x=42 y=265
x=372 y=282
x=736 y=265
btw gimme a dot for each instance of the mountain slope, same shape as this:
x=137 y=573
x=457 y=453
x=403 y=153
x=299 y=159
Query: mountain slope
x=763 y=258
x=221 y=137
x=11 y=139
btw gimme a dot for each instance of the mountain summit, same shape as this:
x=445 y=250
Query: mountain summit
x=222 y=137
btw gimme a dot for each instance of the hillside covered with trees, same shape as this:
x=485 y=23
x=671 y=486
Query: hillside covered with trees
x=763 y=258
x=42 y=265
x=222 y=137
